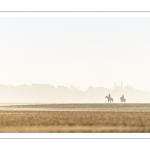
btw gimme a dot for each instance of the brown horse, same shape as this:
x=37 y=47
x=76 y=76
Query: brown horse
x=122 y=99
x=109 y=99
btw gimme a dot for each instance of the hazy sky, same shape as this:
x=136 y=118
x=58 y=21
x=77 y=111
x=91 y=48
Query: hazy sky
x=80 y=51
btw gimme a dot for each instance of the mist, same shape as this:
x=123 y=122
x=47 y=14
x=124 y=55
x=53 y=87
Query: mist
x=83 y=52
x=46 y=93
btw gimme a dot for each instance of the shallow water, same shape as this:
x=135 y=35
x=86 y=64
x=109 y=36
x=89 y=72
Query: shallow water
x=132 y=107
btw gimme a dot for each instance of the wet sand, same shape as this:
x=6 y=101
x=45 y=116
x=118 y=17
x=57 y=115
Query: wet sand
x=120 y=107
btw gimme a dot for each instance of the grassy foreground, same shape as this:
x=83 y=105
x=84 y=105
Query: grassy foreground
x=74 y=121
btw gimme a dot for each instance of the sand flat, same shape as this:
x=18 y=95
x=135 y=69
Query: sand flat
x=37 y=118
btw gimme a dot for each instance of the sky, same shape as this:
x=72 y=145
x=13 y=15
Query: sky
x=75 y=51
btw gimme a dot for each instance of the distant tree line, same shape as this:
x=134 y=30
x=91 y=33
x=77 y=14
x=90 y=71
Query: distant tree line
x=46 y=93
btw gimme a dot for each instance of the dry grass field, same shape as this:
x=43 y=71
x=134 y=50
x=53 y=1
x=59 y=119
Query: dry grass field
x=74 y=121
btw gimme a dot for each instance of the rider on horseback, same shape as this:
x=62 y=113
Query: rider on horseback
x=122 y=99
x=109 y=98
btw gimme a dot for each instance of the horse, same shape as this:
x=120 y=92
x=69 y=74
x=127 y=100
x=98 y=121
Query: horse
x=109 y=99
x=122 y=99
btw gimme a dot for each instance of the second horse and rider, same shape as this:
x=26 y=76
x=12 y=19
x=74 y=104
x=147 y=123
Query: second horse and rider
x=110 y=99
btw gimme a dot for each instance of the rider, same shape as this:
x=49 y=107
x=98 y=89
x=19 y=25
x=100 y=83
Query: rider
x=109 y=95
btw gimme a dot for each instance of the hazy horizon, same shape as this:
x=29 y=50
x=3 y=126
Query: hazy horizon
x=75 y=51
x=46 y=93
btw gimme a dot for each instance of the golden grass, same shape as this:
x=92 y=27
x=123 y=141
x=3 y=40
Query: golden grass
x=74 y=121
